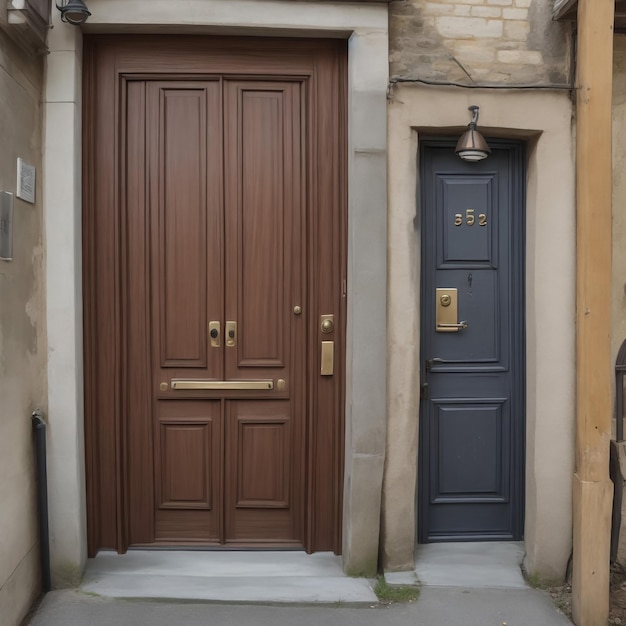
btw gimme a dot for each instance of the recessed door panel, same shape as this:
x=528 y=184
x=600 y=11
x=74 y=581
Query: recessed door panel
x=187 y=470
x=479 y=294
x=263 y=243
x=184 y=265
x=264 y=472
x=184 y=464
x=472 y=409
x=471 y=463
x=184 y=178
x=466 y=220
x=262 y=462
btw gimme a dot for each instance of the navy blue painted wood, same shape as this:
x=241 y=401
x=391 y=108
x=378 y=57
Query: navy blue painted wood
x=472 y=416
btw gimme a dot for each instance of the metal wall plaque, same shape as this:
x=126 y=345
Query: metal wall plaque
x=6 y=226
x=25 y=181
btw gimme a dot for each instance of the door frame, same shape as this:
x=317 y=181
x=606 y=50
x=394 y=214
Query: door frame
x=365 y=26
x=517 y=245
x=326 y=217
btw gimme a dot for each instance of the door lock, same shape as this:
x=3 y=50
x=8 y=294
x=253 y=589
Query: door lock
x=214 y=334
x=231 y=334
x=447 y=314
x=327 y=323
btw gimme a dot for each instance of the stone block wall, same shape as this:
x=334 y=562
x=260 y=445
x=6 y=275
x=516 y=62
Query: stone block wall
x=478 y=42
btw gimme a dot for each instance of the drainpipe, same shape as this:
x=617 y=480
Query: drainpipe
x=592 y=487
x=39 y=428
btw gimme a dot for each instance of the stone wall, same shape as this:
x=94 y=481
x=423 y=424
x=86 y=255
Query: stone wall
x=22 y=333
x=478 y=41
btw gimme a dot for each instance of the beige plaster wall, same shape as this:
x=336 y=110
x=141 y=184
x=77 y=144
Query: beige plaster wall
x=478 y=41
x=545 y=120
x=22 y=334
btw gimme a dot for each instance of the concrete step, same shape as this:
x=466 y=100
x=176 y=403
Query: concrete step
x=268 y=577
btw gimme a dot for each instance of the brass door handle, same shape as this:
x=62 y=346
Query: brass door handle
x=446 y=308
x=459 y=326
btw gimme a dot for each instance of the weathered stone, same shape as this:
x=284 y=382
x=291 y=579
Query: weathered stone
x=464 y=27
x=486 y=11
x=520 y=56
x=515 y=14
x=474 y=52
x=437 y=8
x=462 y=9
x=516 y=30
x=422 y=31
x=22 y=331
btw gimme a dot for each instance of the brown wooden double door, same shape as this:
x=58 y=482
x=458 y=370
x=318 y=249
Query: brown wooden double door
x=208 y=264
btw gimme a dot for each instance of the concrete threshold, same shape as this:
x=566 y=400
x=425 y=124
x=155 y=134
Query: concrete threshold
x=476 y=565
x=265 y=577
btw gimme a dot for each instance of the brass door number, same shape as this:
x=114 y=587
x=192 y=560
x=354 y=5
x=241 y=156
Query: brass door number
x=470 y=218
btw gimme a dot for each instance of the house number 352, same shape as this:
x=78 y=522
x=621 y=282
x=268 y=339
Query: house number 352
x=470 y=218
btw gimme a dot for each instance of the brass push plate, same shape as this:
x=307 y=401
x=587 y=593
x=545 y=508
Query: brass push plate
x=328 y=358
x=447 y=317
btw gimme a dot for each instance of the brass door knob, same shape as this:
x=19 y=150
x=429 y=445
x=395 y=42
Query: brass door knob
x=327 y=326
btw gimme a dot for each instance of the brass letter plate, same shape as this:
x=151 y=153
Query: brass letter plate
x=222 y=385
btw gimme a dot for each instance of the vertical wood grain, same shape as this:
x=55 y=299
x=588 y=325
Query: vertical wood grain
x=138 y=383
x=592 y=491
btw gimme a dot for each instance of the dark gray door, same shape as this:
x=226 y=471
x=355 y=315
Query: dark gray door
x=472 y=408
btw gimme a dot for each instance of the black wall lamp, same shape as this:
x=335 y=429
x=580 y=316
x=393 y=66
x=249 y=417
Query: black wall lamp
x=73 y=11
x=472 y=145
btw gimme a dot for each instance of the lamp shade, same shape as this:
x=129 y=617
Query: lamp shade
x=74 y=12
x=472 y=146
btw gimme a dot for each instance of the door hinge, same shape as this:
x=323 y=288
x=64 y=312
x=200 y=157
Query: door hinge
x=424 y=391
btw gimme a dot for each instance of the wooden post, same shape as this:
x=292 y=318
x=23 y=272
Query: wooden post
x=592 y=489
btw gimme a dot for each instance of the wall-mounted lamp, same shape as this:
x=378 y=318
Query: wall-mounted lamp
x=472 y=145
x=73 y=11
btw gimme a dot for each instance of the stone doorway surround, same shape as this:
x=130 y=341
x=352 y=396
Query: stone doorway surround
x=364 y=25
x=543 y=120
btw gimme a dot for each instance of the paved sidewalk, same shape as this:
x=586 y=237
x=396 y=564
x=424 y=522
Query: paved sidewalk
x=462 y=584
x=436 y=606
